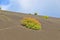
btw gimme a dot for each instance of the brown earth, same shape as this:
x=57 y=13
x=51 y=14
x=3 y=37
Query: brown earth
x=11 y=28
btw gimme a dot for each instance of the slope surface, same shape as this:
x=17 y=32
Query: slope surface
x=11 y=28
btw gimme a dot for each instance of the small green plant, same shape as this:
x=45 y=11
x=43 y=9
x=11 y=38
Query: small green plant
x=35 y=13
x=30 y=14
x=0 y=7
x=46 y=17
x=31 y=23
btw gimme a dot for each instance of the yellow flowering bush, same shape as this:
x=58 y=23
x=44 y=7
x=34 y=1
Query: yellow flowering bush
x=31 y=23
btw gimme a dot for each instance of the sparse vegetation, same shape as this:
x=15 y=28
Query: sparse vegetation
x=0 y=7
x=31 y=23
x=30 y=14
x=46 y=17
x=35 y=13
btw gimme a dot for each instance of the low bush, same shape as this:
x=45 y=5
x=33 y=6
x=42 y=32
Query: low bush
x=30 y=14
x=46 y=17
x=31 y=23
x=35 y=13
x=0 y=7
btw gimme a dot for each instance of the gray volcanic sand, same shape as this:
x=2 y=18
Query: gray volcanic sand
x=11 y=28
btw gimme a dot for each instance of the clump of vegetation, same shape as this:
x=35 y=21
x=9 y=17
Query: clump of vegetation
x=30 y=14
x=0 y=7
x=46 y=17
x=31 y=23
x=35 y=13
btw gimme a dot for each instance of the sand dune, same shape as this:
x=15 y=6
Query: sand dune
x=11 y=28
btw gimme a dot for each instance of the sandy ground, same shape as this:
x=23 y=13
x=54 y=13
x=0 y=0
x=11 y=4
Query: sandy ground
x=11 y=28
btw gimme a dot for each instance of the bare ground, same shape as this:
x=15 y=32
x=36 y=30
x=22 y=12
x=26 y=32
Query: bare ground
x=11 y=28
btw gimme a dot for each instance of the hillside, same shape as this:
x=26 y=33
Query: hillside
x=11 y=28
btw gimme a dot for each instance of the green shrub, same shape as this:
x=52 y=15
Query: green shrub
x=30 y=14
x=0 y=7
x=31 y=23
x=46 y=17
x=35 y=13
